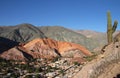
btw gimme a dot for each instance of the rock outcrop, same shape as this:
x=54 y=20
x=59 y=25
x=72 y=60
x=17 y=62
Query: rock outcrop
x=106 y=65
x=13 y=54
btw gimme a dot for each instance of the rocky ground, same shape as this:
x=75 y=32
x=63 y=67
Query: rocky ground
x=45 y=58
x=106 y=65
x=40 y=68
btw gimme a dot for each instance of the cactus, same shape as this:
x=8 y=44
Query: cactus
x=110 y=29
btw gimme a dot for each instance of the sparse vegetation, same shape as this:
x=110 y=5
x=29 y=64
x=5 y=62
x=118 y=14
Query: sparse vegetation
x=62 y=71
x=56 y=59
x=76 y=63
x=89 y=58
x=9 y=68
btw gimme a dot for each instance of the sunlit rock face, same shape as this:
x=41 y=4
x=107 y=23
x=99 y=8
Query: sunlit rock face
x=58 y=46
x=106 y=65
x=45 y=48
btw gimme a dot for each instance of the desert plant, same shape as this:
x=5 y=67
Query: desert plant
x=77 y=63
x=62 y=71
x=110 y=29
x=90 y=58
x=56 y=59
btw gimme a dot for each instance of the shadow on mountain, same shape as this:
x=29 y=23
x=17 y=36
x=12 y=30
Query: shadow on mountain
x=26 y=55
x=56 y=51
x=6 y=44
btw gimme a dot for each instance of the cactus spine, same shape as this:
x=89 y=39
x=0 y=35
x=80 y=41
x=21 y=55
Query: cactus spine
x=110 y=29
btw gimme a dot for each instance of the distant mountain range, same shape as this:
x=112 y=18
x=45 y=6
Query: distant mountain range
x=97 y=39
x=89 y=39
x=28 y=32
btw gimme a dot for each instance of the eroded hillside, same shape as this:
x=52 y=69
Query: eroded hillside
x=45 y=48
x=106 y=65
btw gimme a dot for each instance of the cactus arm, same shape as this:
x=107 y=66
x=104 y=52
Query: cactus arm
x=114 y=26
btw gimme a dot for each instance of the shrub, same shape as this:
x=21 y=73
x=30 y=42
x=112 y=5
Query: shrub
x=76 y=63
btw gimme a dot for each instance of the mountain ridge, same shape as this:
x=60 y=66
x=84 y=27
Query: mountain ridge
x=26 y=32
x=21 y=32
x=63 y=34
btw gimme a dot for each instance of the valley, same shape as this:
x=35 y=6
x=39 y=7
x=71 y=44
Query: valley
x=49 y=52
x=59 y=39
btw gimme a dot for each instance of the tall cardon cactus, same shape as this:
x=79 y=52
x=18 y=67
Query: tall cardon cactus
x=110 y=29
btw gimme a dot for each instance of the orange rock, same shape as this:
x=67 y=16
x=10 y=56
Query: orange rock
x=44 y=48
x=38 y=44
x=13 y=54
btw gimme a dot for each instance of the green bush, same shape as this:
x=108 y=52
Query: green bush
x=89 y=58
x=76 y=63
x=62 y=72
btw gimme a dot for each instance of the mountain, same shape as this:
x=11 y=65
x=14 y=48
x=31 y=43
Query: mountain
x=93 y=34
x=59 y=46
x=87 y=38
x=45 y=48
x=21 y=32
x=106 y=65
x=64 y=34
x=14 y=54
x=98 y=39
x=27 y=32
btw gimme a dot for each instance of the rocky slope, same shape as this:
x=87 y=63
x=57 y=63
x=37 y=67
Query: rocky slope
x=63 y=34
x=59 y=46
x=21 y=32
x=106 y=65
x=98 y=39
x=45 y=48
x=62 y=49
x=13 y=54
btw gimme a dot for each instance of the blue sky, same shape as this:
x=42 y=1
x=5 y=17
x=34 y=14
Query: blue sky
x=73 y=14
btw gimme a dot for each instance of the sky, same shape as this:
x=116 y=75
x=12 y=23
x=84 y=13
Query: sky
x=72 y=14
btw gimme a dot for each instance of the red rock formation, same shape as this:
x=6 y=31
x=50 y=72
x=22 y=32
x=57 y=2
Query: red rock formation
x=39 y=52
x=13 y=54
x=45 y=48
x=37 y=45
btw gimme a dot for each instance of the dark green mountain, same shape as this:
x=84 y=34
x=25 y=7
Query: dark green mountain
x=21 y=32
